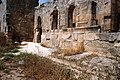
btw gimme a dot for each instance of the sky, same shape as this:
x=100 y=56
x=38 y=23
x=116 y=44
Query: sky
x=43 y=1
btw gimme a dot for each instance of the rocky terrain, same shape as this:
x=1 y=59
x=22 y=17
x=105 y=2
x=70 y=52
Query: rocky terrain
x=100 y=61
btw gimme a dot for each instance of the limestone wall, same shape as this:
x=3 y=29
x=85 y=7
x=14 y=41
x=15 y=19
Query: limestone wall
x=63 y=39
x=81 y=15
x=68 y=37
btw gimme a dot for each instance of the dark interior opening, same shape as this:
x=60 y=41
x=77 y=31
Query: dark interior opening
x=115 y=16
x=39 y=30
x=54 y=19
x=0 y=25
x=93 y=12
x=0 y=1
x=118 y=21
x=70 y=16
x=107 y=17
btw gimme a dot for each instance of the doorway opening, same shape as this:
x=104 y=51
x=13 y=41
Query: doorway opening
x=93 y=12
x=54 y=15
x=70 y=16
x=115 y=14
x=39 y=30
x=118 y=21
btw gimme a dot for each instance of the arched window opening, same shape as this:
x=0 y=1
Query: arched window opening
x=54 y=15
x=70 y=16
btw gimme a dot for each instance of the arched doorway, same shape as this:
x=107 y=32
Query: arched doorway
x=39 y=30
x=70 y=16
x=54 y=16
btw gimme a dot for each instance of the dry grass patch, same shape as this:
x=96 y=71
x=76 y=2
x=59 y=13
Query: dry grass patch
x=6 y=49
x=39 y=68
x=71 y=51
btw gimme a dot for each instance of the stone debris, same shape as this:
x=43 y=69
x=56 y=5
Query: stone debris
x=117 y=45
x=79 y=56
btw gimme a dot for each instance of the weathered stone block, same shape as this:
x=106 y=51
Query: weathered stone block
x=80 y=37
x=89 y=36
x=113 y=37
x=103 y=36
x=43 y=36
x=118 y=38
x=74 y=36
x=66 y=36
x=47 y=36
x=108 y=36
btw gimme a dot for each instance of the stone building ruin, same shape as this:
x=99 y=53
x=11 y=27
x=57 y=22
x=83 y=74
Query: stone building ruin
x=64 y=22
x=60 y=22
x=70 y=26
